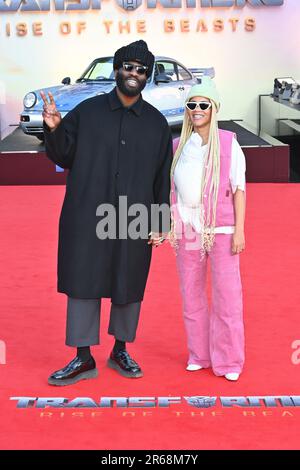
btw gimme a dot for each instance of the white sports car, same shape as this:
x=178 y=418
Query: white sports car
x=166 y=89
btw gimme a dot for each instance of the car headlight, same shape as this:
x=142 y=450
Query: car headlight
x=29 y=100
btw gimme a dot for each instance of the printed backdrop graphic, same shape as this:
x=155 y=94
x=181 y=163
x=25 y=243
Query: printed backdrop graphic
x=248 y=42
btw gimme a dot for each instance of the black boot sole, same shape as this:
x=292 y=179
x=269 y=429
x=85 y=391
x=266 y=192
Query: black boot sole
x=89 y=374
x=124 y=373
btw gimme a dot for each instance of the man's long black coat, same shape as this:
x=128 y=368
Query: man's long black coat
x=110 y=151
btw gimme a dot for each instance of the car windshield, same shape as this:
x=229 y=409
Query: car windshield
x=99 y=70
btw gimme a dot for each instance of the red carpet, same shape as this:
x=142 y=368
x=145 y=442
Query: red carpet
x=33 y=322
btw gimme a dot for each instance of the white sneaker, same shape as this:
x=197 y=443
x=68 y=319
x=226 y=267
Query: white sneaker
x=232 y=376
x=193 y=367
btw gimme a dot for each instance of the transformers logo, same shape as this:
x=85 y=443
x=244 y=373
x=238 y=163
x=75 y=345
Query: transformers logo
x=201 y=402
x=198 y=401
x=128 y=5
x=134 y=4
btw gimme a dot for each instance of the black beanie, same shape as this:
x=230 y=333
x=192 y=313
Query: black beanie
x=136 y=51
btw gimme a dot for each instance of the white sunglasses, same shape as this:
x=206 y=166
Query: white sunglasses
x=203 y=105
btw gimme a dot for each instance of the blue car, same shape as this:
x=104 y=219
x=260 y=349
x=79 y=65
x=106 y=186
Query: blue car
x=166 y=89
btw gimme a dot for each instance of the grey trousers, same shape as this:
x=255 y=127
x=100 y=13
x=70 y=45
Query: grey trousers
x=83 y=321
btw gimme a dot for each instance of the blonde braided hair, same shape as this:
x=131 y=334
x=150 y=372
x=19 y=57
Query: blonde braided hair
x=210 y=178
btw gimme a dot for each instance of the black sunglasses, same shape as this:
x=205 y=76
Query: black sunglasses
x=204 y=105
x=140 y=69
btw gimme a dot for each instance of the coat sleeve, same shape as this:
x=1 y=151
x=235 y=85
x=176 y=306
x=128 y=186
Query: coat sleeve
x=162 y=182
x=61 y=144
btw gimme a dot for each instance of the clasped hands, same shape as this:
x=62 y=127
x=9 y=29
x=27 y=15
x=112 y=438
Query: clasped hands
x=156 y=239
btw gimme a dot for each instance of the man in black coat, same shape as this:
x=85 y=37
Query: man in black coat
x=118 y=149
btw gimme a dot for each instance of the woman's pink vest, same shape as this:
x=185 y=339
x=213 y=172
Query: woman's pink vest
x=225 y=207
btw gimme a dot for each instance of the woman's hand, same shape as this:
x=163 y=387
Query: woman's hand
x=238 y=241
x=50 y=114
x=156 y=239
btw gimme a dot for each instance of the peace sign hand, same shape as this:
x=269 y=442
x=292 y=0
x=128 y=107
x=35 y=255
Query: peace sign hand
x=50 y=114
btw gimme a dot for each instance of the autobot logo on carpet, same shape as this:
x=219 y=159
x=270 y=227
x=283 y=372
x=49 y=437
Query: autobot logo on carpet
x=197 y=401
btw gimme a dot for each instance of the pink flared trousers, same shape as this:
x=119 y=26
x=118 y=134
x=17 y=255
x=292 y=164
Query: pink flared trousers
x=215 y=335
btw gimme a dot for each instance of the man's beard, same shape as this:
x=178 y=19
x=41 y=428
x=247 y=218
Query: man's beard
x=125 y=89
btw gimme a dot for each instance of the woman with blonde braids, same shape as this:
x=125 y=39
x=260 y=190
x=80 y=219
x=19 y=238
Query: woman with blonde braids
x=208 y=213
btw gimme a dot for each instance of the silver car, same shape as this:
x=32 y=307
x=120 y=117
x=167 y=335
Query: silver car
x=166 y=89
